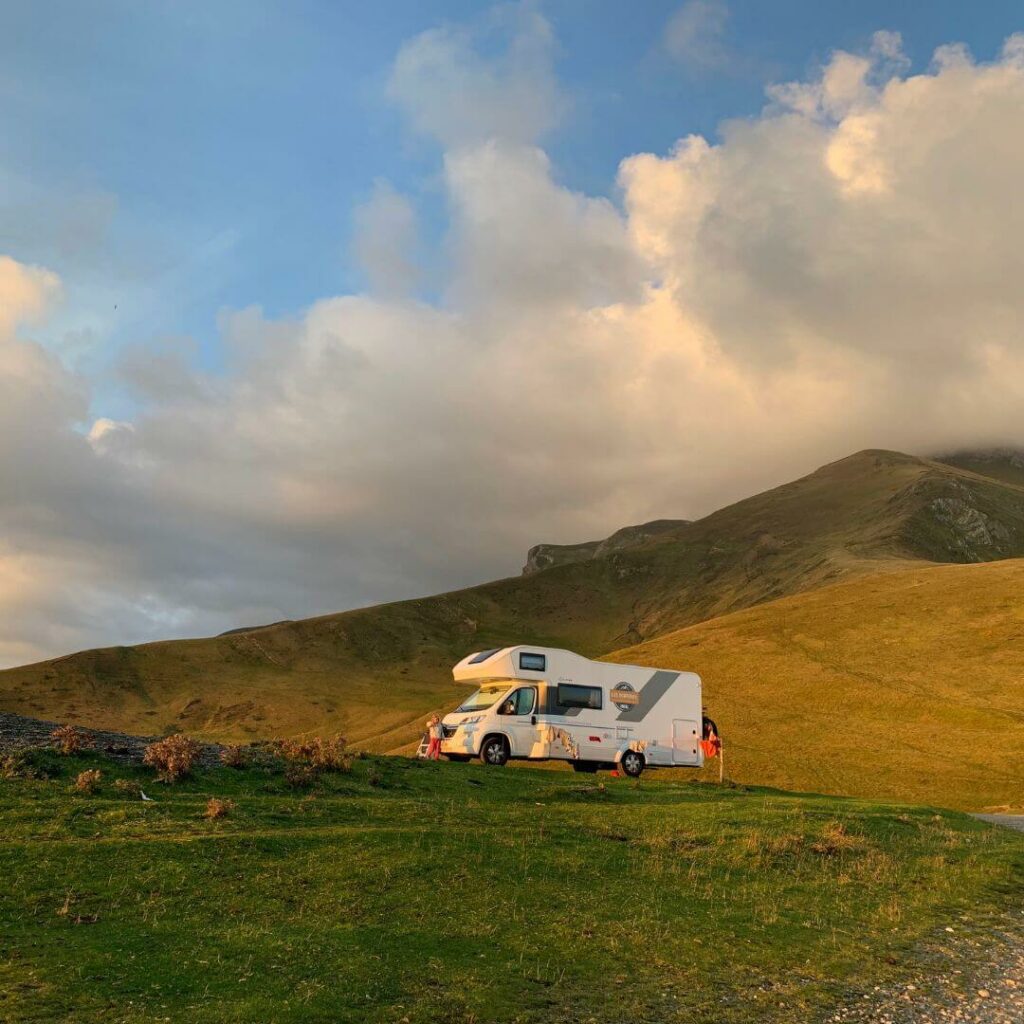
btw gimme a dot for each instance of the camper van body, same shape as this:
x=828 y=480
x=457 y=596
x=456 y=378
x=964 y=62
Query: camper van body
x=541 y=703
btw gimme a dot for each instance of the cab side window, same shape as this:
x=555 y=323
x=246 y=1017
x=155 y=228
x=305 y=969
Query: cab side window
x=521 y=702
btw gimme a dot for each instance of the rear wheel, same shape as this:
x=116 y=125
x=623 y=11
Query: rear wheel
x=494 y=751
x=587 y=767
x=632 y=764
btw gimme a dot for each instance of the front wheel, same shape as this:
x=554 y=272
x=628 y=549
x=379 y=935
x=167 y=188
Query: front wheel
x=632 y=764
x=494 y=751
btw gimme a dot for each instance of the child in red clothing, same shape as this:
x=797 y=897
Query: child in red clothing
x=435 y=732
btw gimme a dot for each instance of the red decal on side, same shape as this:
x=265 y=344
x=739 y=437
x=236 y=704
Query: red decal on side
x=595 y=739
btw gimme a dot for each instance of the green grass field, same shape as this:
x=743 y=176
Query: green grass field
x=439 y=892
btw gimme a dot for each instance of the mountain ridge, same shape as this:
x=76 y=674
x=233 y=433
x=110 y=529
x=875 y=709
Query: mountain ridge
x=373 y=673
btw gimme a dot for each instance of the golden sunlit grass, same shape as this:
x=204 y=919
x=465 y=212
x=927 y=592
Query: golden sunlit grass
x=905 y=684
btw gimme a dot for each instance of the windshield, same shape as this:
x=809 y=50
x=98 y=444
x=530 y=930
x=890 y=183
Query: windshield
x=483 y=698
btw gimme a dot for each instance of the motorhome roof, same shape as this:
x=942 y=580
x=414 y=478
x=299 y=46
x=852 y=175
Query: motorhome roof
x=501 y=663
x=526 y=661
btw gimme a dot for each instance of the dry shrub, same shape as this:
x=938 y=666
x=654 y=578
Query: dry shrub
x=69 y=740
x=173 y=758
x=18 y=766
x=217 y=808
x=233 y=757
x=325 y=755
x=300 y=776
x=128 y=786
x=88 y=781
x=835 y=840
x=31 y=763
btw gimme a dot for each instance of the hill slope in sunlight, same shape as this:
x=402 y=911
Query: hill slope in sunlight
x=908 y=685
x=374 y=672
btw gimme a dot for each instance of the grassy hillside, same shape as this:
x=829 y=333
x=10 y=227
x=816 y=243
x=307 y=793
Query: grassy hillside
x=375 y=671
x=1005 y=464
x=545 y=556
x=454 y=893
x=907 y=685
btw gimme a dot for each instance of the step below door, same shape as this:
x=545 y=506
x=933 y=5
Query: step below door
x=685 y=739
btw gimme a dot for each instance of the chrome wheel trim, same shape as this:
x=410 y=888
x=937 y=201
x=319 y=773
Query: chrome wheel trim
x=495 y=752
x=631 y=762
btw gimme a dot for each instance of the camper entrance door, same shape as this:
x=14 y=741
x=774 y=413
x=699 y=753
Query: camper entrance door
x=684 y=742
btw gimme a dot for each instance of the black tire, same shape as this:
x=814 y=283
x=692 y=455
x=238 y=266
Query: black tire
x=632 y=764
x=494 y=751
x=587 y=767
x=461 y=758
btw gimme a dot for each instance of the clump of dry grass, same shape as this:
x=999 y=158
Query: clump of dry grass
x=327 y=755
x=128 y=786
x=835 y=840
x=173 y=757
x=217 y=808
x=233 y=756
x=18 y=766
x=88 y=781
x=69 y=740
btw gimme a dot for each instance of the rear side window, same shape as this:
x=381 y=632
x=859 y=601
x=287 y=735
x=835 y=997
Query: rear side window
x=533 y=662
x=571 y=696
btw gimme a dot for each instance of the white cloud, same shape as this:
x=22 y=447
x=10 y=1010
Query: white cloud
x=840 y=272
x=694 y=35
x=386 y=242
x=455 y=94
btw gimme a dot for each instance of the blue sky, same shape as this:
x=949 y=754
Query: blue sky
x=306 y=306
x=185 y=158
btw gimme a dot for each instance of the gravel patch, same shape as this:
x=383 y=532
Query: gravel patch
x=963 y=976
x=1014 y=821
x=18 y=732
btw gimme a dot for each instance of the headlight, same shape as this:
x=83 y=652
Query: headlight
x=470 y=721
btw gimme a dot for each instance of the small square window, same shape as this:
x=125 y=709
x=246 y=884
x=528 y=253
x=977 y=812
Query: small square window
x=533 y=662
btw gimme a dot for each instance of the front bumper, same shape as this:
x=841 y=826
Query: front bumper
x=459 y=741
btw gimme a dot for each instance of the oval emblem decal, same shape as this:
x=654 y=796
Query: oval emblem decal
x=624 y=696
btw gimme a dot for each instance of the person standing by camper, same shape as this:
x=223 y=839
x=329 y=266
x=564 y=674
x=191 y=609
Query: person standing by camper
x=435 y=732
x=710 y=740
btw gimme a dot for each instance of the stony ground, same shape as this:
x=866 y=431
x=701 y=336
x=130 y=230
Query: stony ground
x=18 y=732
x=964 y=978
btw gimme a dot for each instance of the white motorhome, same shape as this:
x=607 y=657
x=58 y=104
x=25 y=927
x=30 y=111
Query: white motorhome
x=541 y=703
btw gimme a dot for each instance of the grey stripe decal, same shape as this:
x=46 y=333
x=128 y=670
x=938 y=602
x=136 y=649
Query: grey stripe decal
x=653 y=690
